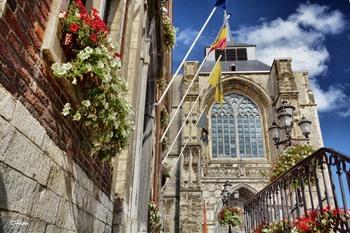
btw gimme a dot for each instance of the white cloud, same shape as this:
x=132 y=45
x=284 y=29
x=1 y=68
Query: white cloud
x=345 y=114
x=301 y=36
x=186 y=36
x=330 y=99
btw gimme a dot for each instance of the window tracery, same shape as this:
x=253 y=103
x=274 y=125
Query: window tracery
x=236 y=128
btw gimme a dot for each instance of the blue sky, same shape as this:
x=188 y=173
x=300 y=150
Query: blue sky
x=316 y=34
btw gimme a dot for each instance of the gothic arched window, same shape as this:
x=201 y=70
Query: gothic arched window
x=236 y=128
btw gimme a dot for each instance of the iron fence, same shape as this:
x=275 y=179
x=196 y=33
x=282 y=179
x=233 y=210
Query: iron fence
x=317 y=183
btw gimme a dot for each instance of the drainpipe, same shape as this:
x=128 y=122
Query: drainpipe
x=159 y=73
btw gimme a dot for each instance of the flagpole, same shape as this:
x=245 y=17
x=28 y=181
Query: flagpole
x=189 y=113
x=183 y=98
x=188 y=89
x=187 y=54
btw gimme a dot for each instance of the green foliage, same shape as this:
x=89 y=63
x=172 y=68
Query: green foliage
x=275 y=227
x=96 y=68
x=230 y=216
x=86 y=29
x=169 y=33
x=164 y=117
x=289 y=158
x=155 y=221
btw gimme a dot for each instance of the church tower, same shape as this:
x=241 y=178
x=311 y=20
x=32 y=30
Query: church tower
x=235 y=144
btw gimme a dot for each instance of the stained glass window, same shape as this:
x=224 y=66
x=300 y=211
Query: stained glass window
x=236 y=128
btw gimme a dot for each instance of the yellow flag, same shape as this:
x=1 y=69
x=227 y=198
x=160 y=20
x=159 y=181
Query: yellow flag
x=215 y=81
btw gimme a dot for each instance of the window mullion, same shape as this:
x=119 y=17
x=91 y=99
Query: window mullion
x=236 y=134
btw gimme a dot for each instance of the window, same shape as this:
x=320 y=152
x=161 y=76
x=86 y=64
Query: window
x=242 y=54
x=231 y=55
x=236 y=128
x=219 y=52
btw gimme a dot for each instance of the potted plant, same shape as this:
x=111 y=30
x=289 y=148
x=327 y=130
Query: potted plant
x=81 y=29
x=96 y=69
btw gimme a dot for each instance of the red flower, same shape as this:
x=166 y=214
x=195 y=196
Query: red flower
x=93 y=37
x=74 y=27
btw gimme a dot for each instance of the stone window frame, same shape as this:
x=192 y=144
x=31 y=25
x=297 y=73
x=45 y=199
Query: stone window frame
x=261 y=152
x=2 y=6
x=51 y=46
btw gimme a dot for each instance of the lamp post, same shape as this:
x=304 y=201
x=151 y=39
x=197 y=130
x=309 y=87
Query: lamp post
x=285 y=116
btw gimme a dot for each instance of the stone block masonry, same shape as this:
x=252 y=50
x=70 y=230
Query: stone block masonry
x=41 y=188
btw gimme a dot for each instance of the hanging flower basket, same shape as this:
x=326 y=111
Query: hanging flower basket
x=94 y=66
x=230 y=216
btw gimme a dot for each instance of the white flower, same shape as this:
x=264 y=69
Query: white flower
x=109 y=39
x=88 y=50
x=107 y=77
x=67 y=66
x=74 y=82
x=82 y=55
x=86 y=103
x=89 y=67
x=100 y=64
x=114 y=63
x=66 y=109
x=55 y=66
x=77 y=116
x=58 y=70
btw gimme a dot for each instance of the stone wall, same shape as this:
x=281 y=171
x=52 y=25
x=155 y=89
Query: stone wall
x=41 y=188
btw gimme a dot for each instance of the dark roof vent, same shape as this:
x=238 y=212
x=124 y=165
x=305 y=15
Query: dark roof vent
x=233 y=67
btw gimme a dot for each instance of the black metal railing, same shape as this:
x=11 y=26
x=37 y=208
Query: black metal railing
x=320 y=181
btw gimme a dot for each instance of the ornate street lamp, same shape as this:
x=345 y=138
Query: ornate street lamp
x=305 y=126
x=285 y=116
x=225 y=193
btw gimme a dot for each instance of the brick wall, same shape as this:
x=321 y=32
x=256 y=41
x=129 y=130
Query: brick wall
x=26 y=75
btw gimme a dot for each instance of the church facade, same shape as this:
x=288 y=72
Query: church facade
x=234 y=143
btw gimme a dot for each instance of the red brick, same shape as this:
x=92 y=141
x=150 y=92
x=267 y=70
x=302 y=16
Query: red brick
x=12 y=22
x=36 y=41
x=44 y=9
x=4 y=29
x=39 y=30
